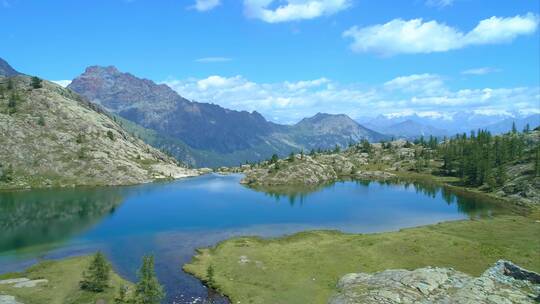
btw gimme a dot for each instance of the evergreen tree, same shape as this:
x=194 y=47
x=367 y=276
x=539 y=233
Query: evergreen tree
x=148 y=290
x=110 y=135
x=2 y=91
x=291 y=157
x=12 y=103
x=41 y=120
x=210 y=280
x=537 y=161
x=527 y=129
x=122 y=297
x=514 y=129
x=337 y=149
x=10 y=84
x=36 y=83
x=96 y=276
x=274 y=159
x=7 y=174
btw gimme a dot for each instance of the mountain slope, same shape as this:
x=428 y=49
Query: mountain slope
x=328 y=130
x=410 y=129
x=158 y=107
x=52 y=137
x=205 y=134
x=7 y=70
x=506 y=125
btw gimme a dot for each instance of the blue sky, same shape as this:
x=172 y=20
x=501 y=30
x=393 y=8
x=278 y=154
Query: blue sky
x=293 y=58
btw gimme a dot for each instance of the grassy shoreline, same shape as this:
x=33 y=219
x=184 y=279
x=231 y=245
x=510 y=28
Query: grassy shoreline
x=304 y=267
x=63 y=283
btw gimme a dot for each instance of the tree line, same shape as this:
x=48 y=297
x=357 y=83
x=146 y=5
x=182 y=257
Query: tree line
x=481 y=158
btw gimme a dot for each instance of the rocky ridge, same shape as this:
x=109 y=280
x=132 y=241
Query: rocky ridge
x=504 y=282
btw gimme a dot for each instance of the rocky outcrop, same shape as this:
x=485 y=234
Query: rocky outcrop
x=502 y=283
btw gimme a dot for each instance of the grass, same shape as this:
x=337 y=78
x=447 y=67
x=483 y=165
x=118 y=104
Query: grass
x=305 y=267
x=63 y=285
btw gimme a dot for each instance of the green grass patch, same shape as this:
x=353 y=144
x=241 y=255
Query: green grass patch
x=305 y=267
x=63 y=284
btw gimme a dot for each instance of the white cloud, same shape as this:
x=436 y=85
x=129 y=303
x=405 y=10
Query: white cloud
x=205 y=5
x=213 y=59
x=416 y=36
x=480 y=71
x=290 y=10
x=439 y=3
x=417 y=83
x=424 y=94
x=63 y=83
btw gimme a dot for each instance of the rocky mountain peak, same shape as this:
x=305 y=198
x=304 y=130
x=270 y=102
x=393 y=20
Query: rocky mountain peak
x=7 y=70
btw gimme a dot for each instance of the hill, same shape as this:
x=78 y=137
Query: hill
x=52 y=137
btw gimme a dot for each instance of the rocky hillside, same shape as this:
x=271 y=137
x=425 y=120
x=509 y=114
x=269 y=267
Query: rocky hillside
x=213 y=135
x=502 y=283
x=52 y=137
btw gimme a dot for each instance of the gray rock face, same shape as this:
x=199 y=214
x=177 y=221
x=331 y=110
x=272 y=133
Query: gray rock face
x=500 y=284
x=6 y=70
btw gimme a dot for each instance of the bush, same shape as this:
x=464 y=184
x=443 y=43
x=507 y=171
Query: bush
x=110 y=135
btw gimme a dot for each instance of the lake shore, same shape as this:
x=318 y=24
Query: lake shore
x=57 y=282
x=305 y=267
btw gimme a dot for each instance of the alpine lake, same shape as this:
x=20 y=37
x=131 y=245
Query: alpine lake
x=172 y=219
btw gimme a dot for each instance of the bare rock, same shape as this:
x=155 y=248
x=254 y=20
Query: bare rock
x=502 y=283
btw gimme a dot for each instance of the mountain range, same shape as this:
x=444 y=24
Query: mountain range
x=204 y=134
x=414 y=125
x=207 y=135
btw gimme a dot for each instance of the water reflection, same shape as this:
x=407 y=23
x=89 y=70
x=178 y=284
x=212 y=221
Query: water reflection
x=39 y=217
x=474 y=205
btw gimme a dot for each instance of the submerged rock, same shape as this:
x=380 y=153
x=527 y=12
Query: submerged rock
x=504 y=282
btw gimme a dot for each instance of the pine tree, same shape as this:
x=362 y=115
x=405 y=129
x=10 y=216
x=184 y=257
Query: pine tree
x=7 y=174
x=210 y=280
x=36 y=83
x=96 y=276
x=110 y=135
x=10 y=84
x=274 y=159
x=537 y=162
x=527 y=129
x=514 y=129
x=148 y=290
x=122 y=297
x=41 y=120
x=12 y=103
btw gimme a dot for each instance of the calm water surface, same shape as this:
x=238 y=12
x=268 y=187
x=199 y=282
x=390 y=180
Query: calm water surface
x=171 y=220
